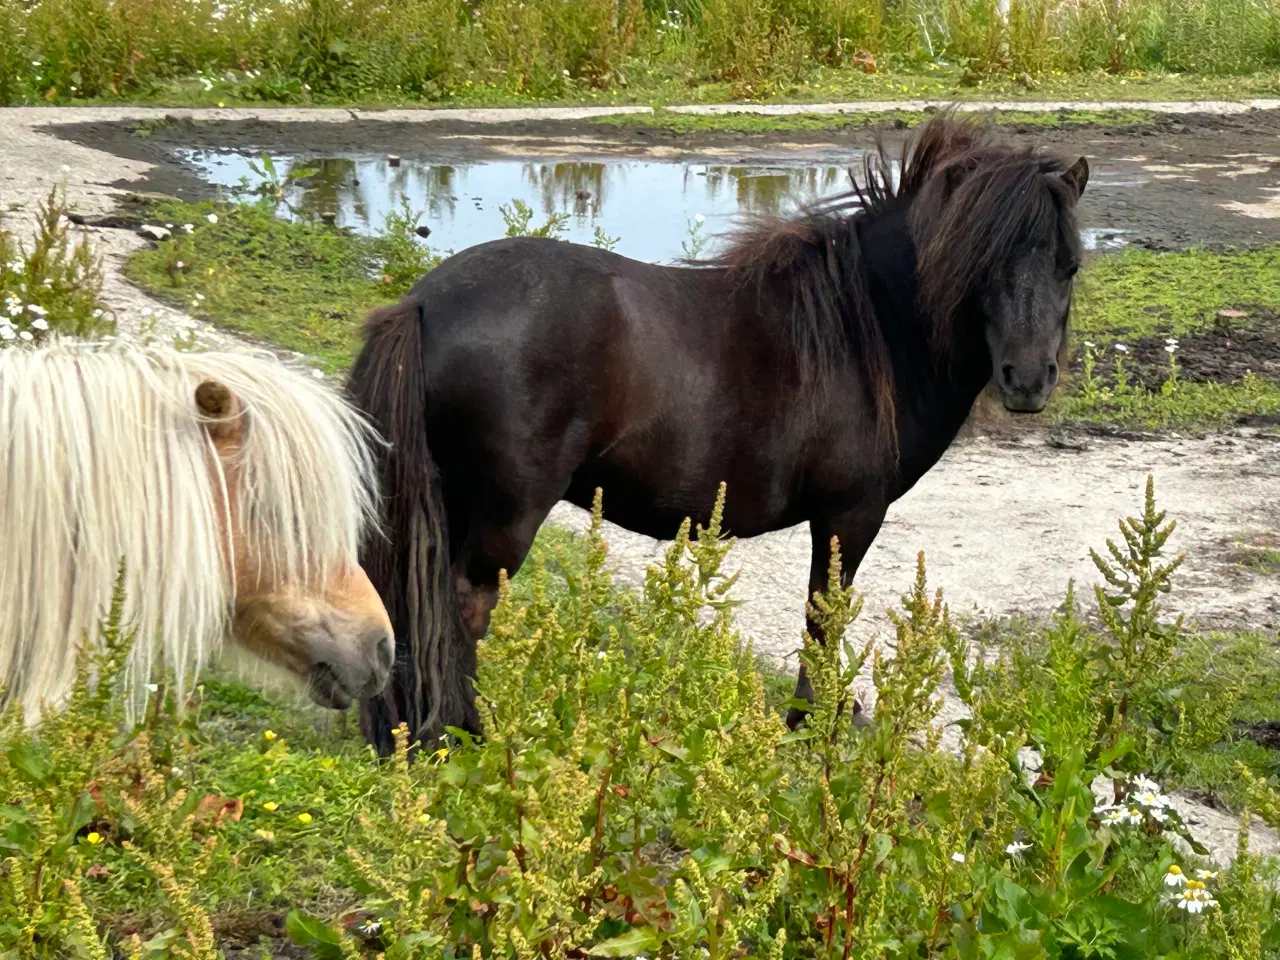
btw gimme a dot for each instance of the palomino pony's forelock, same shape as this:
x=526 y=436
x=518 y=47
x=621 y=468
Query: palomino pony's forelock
x=973 y=199
x=106 y=460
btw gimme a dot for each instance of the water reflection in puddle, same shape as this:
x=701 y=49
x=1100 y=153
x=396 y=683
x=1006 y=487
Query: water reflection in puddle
x=648 y=205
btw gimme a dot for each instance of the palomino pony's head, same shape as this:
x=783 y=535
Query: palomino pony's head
x=235 y=491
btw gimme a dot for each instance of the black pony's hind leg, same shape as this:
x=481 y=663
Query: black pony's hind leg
x=855 y=531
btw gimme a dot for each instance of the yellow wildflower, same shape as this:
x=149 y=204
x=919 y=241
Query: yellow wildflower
x=304 y=818
x=271 y=806
x=94 y=838
x=270 y=735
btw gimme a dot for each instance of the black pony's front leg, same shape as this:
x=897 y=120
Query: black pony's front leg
x=855 y=530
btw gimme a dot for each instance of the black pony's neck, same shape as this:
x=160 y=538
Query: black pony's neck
x=930 y=382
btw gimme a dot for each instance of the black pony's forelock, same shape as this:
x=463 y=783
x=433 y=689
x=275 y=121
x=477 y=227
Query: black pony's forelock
x=974 y=201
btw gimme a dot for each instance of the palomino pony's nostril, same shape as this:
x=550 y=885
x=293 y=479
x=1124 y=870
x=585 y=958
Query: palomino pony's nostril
x=386 y=651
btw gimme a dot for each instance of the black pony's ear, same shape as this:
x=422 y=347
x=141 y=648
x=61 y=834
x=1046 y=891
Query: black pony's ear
x=1076 y=176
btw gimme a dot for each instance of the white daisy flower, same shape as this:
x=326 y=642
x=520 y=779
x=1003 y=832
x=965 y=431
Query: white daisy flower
x=40 y=323
x=1174 y=877
x=1016 y=849
x=958 y=857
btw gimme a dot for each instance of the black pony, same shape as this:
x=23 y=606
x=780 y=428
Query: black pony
x=819 y=367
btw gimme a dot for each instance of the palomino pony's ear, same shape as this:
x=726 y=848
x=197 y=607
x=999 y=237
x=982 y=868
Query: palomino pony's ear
x=1076 y=176
x=221 y=409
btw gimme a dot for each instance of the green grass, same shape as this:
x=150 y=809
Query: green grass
x=1138 y=293
x=761 y=123
x=302 y=286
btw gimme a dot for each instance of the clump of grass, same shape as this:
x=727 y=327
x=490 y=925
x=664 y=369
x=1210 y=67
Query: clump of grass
x=52 y=284
x=301 y=285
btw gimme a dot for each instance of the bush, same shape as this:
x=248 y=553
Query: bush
x=344 y=50
x=54 y=286
x=636 y=794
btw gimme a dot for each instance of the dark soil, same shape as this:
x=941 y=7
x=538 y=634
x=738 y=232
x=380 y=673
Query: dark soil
x=1148 y=208
x=1221 y=355
x=1265 y=733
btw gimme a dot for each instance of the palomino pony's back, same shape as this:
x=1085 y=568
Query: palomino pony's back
x=108 y=459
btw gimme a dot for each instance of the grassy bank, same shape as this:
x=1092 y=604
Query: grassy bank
x=869 y=120
x=637 y=794
x=428 y=51
x=306 y=286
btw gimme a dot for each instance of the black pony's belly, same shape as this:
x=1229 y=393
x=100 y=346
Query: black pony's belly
x=654 y=508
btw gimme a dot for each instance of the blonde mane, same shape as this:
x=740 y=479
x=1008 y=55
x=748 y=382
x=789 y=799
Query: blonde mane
x=104 y=458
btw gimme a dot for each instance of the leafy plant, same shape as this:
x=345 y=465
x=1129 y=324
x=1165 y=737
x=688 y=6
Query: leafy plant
x=52 y=286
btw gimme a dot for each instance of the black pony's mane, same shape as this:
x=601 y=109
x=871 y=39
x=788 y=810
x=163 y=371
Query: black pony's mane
x=974 y=201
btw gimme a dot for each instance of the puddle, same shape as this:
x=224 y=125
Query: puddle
x=648 y=205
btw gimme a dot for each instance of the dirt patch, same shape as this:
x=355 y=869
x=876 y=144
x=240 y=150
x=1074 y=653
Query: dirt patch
x=1223 y=354
x=1264 y=734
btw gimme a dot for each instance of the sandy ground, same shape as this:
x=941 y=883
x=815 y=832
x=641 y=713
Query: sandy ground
x=1005 y=519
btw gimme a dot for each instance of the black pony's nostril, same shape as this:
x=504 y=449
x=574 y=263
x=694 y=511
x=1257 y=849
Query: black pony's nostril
x=1007 y=373
x=1053 y=373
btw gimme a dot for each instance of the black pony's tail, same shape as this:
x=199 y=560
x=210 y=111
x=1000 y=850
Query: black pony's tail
x=430 y=686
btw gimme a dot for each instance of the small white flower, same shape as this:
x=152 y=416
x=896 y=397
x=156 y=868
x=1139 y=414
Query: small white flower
x=1121 y=348
x=35 y=63
x=318 y=374
x=40 y=323
x=958 y=857
x=97 y=314
x=6 y=332
x=179 y=264
x=26 y=336
x=1203 y=875
x=153 y=687
x=66 y=168
x=1194 y=899
x=37 y=310
x=212 y=218
x=176 y=771
x=699 y=218
x=1016 y=849
x=1174 y=877
x=1090 y=344
x=189 y=227
x=199 y=296
x=1170 y=349
x=47 y=282
x=1171 y=341
x=565 y=72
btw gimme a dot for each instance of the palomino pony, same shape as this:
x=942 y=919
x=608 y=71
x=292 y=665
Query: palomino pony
x=233 y=489
x=819 y=367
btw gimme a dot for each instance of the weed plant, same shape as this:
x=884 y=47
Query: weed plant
x=636 y=793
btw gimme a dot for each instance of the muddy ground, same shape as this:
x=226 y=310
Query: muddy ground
x=1172 y=182
x=1007 y=517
